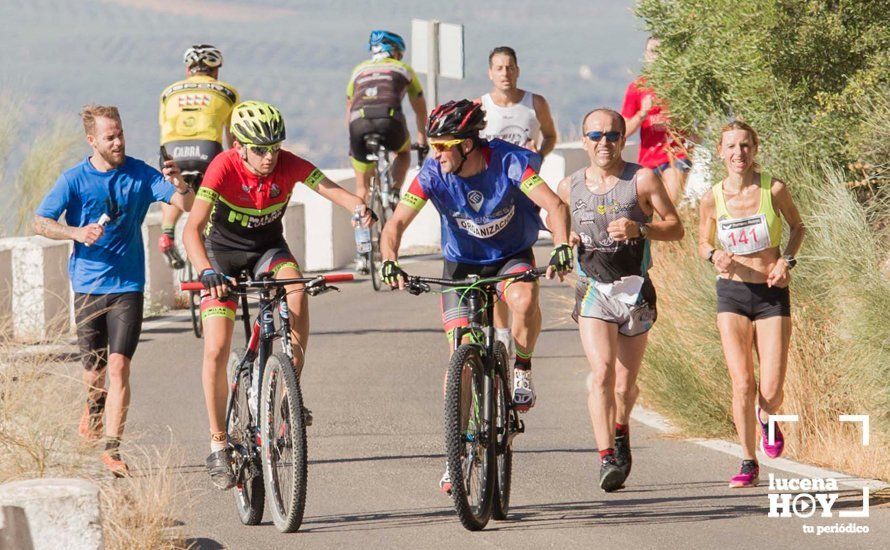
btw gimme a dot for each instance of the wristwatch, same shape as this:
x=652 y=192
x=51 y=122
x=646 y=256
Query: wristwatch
x=711 y=255
x=790 y=260
x=644 y=230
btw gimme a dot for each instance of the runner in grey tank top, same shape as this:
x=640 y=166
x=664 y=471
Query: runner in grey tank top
x=601 y=257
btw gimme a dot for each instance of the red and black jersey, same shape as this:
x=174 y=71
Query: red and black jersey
x=247 y=208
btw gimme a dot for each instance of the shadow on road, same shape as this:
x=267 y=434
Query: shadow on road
x=201 y=543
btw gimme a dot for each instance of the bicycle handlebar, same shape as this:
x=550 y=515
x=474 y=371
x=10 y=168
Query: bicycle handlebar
x=422 y=152
x=417 y=285
x=310 y=282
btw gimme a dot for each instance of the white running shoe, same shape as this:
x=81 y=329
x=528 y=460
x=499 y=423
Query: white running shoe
x=523 y=390
x=445 y=482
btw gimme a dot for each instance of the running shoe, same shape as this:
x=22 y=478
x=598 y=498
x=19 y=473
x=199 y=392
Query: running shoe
x=445 y=482
x=307 y=417
x=90 y=427
x=361 y=264
x=622 y=454
x=611 y=476
x=523 y=390
x=168 y=248
x=748 y=476
x=774 y=450
x=219 y=466
x=115 y=464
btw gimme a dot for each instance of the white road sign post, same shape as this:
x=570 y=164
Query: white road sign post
x=437 y=49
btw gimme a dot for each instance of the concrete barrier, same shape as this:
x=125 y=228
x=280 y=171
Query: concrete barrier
x=61 y=513
x=33 y=270
x=15 y=534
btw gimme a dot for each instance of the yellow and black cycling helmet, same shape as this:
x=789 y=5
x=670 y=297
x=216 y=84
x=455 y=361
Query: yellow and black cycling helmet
x=257 y=123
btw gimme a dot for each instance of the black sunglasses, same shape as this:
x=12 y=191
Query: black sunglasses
x=611 y=137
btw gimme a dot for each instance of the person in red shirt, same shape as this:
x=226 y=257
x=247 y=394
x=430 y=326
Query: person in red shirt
x=660 y=150
x=235 y=225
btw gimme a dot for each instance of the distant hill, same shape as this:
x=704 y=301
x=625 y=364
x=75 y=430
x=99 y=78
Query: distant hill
x=60 y=54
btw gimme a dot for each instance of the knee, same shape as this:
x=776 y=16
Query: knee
x=744 y=388
x=601 y=378
x=772 y=398
x=118 y=370
x=522 y=301
x=214 y=356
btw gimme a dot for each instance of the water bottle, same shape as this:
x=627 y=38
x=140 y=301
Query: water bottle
x=362 y=233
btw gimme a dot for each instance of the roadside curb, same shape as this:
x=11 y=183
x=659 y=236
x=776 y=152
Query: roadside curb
x=658 y=422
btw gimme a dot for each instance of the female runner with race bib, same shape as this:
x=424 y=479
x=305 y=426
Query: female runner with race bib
x=745 y=212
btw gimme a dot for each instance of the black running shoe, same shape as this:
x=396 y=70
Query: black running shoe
x=611 y=476
x=622 y=454
x=219 y=466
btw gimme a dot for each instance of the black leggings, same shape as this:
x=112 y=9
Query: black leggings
x=107 y=323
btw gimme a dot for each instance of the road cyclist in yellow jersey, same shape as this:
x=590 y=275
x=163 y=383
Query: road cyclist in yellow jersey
x=745 y=212
x=193 y=116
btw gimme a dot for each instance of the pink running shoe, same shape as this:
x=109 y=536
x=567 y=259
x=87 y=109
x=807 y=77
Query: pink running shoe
x=774 y=450
x=748 y=476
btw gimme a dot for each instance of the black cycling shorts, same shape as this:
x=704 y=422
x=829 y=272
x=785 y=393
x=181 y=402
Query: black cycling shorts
x=454 y=312
x=107 y=323
x=192 y=156
x=389 y=123
x=233 y=263
x=752 y=300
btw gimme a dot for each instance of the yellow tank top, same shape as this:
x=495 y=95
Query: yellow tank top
x=752 y=233
x=197 y=108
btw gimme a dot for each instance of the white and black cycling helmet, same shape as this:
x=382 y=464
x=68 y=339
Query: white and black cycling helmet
x=203 y=55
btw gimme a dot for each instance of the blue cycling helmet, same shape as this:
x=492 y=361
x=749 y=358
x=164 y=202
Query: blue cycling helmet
x=385 y=41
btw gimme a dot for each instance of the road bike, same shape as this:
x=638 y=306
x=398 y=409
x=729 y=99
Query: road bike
x=480 y=420
x=383 y=197
x=265 y=416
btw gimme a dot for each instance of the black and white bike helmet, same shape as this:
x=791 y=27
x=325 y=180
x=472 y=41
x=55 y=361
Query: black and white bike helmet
x=204 y=55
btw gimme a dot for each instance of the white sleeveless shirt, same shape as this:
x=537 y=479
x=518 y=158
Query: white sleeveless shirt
x=515 y=124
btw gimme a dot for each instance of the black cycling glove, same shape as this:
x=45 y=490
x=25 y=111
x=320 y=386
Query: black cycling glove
x=390 y=272
x=562 y=258
x=211 y=278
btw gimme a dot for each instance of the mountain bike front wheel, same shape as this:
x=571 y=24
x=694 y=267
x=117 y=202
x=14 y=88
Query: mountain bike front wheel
x=283 y=432
x=469 y=441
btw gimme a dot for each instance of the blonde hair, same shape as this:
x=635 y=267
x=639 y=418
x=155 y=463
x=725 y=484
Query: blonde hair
x=739 y=125
x=92 y=111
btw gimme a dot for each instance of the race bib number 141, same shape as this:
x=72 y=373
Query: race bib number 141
x=744 y=235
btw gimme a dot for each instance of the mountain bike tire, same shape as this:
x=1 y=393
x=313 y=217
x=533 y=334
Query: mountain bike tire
x=375 y=258
x=283 y=432
x=503 y=423
x=469 y=451
x=250 y=494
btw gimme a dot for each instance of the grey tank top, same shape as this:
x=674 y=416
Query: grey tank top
x=600 y=257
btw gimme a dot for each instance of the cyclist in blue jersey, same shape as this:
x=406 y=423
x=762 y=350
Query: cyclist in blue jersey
x=105 y=198
x=488 y=195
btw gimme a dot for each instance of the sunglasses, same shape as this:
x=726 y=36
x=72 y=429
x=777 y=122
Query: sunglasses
x=445 y=145
x=611 y=137
x=262 y=150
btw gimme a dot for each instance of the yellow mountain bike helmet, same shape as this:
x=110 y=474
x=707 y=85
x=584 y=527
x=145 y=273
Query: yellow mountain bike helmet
x=257 y=123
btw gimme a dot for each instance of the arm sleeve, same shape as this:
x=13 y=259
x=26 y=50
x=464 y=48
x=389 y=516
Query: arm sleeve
x=415 y=197
x=56 y=201
x=414 y=87
x=161 y=189
x=631 y=104
x=212 y=182
x=522 y=169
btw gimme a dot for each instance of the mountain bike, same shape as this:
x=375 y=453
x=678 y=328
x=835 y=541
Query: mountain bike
x=480 y=421
x=383 y=197
x=265 y=422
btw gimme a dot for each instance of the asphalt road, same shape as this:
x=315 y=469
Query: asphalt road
x=374 y=383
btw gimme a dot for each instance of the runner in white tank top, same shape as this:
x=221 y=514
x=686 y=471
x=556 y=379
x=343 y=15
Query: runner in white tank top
x=512 y=114
x=517 y=123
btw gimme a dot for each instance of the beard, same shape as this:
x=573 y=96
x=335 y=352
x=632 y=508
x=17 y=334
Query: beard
x=113 y=159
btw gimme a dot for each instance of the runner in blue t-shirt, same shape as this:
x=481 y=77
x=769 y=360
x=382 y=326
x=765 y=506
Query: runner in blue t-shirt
x=488 y=195
x=105 y=199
